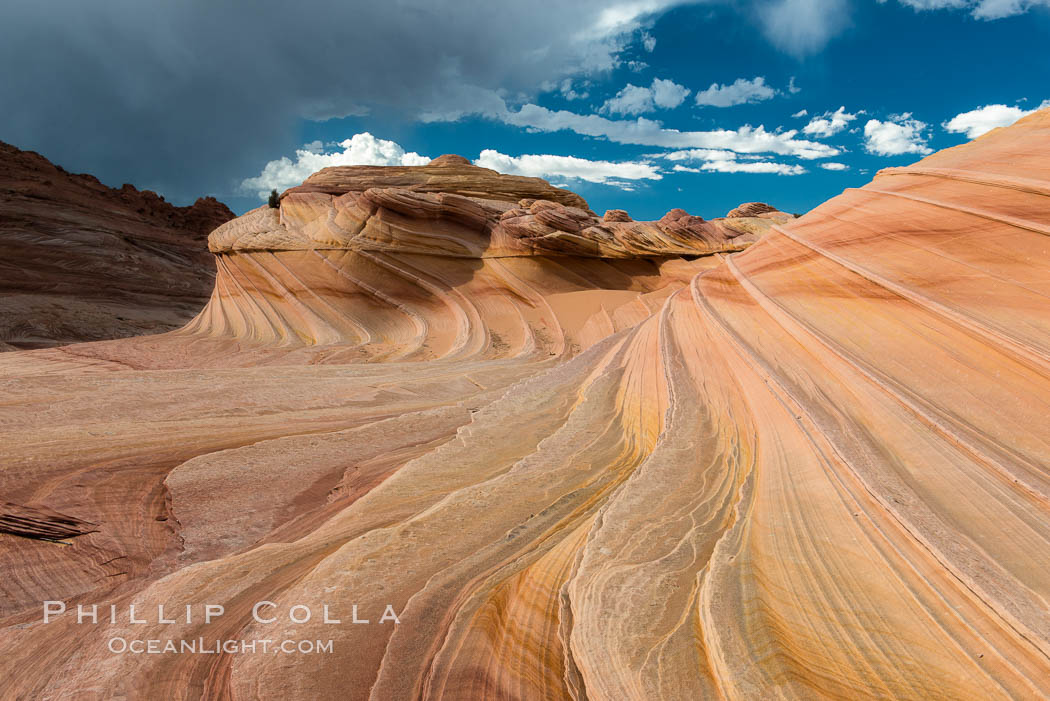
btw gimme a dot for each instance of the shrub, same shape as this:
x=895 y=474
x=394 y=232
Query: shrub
x=275 y=200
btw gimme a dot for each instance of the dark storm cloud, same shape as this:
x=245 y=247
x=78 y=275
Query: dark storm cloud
x=189 y=97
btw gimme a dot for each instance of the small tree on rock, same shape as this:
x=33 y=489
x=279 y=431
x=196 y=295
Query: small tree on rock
x=275 y=200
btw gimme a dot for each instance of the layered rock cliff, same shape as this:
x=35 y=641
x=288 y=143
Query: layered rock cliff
x=84 y=262
x=576 y=461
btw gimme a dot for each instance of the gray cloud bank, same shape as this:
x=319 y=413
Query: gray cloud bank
x=186 y=97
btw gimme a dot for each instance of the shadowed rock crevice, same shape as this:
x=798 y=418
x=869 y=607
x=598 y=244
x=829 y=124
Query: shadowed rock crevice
x=41 y=523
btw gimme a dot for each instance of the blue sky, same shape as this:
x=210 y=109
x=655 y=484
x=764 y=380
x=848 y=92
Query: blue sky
x=642 y=105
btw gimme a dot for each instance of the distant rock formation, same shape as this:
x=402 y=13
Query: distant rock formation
x=752 y=209
x=83 y=261
x=449 y=174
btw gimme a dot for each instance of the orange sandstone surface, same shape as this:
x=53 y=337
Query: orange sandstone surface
x=580 y=457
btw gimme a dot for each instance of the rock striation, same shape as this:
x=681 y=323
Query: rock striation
x=812 y=469
x=83 y=261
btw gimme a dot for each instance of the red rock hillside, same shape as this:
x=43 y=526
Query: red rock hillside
x=86 y=262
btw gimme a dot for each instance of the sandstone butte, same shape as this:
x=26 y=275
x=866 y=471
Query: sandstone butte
x=85 y=262
x=580 y=457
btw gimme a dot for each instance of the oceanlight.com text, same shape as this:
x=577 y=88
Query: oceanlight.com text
x=201 y=646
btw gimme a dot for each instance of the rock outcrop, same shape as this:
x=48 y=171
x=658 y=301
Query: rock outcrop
x=446 y=223
x=814 y=468
x=450 y=174
x=752 y=209
x=331 y=264
x=83 y=261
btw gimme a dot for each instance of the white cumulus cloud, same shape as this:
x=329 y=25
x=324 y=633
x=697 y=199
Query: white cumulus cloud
x=634 y=99
x=698 y=154
x=923 y=5
x=829 y=124
x=984 y=119
x=832 y=165
x=980 y=9
x=548 y=166
x=738 y=92
x=723 y=161
x=997 y=9
x=897 y=135
x=648 y=132
x=360 y=149
x=668 y=94
x=734 y=166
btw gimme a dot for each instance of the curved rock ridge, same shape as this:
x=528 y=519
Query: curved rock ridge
x=351 y=305
x=812 y=469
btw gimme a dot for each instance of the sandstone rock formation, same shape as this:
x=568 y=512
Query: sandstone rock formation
x=450 y=174
x=453 y=208
x=816 y=468
x=384 y=269
x=752 y=209
x=83 y=261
